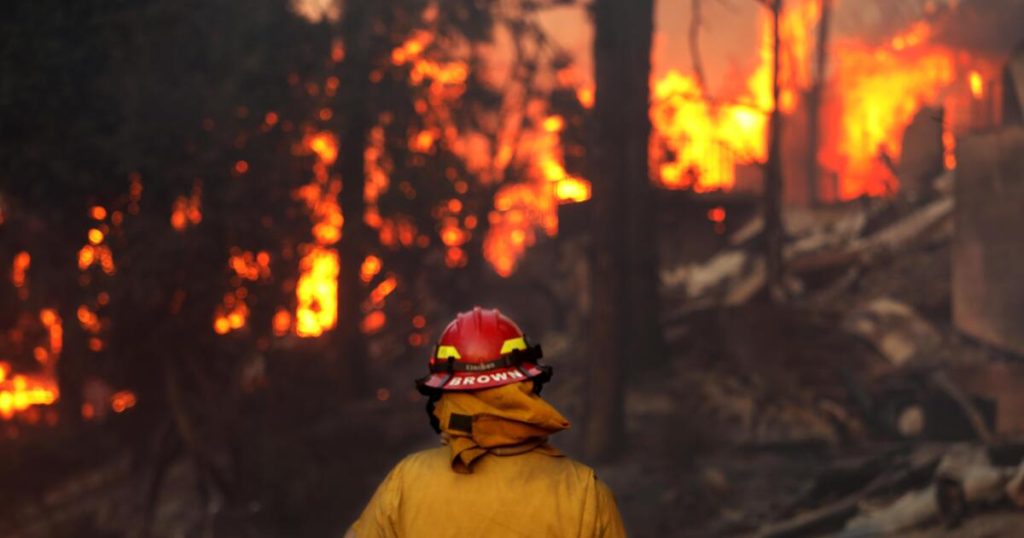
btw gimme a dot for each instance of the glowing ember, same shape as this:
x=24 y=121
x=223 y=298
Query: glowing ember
x=370 y=268
x=88 y=319
x=19 y=270
x=382 y=290
x=282 y=322
x=373 y=322
x=233 y=312
x=949 y=149
x=324 y=145
x=187 y=211
x=122 y=401
x=250 y=266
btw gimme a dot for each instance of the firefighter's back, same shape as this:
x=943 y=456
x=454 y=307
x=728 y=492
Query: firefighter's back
x=530 y=494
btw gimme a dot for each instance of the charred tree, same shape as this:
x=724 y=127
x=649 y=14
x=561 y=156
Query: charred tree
x=814 y=101
x=623 y=243
x=773 y=229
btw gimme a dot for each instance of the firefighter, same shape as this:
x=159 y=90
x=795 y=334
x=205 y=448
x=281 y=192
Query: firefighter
x=496 y=474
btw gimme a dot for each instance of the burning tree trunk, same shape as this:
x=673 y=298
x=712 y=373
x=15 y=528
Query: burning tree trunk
x=773 y=175
x=624 y=271
x=814 y=97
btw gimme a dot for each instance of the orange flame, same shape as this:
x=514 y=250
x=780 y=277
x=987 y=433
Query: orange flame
x=317 y=289
x=977 y=85
x=19 y=269
x=20 y=392
x=122 y=401
x=523 y=208
x=187 y=211
x=880 y=90
x=317 y=292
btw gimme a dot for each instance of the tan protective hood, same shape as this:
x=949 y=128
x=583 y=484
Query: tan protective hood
x=504 y=420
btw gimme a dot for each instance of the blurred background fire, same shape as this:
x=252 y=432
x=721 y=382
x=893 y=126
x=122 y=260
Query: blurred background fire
x=231 y=230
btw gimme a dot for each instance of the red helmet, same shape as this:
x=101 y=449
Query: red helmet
x=482 y=349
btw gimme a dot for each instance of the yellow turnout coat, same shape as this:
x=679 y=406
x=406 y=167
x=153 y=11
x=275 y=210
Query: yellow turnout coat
x=497 y=478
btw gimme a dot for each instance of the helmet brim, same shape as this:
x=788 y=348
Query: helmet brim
x=469 y=381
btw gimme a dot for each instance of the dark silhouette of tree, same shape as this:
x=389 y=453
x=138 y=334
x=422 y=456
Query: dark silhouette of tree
x=623 y=270
x=814 y=99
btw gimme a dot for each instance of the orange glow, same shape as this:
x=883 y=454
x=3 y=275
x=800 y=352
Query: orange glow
x=324 y=145
x=317 y=288
x=874 y=91
x=523 y=209
x=382 y=290
x=19 y=269
x=881 y=90
x=423 y=142
x=122 y=401
x=916 y=35
x=949 y=146
x=187 y=211
x=553 y=124
x=250 y=266
x=373 y=322
x=370 y=268
x=233 y=312
x=697 y=143
x=716 y=214
x=282 y=322
x=317 y=292
x=270 y=118
x=586 y=95
x=337 y=51
x=88 y=319
x=221 y=325
x=95 y=236
x=55 y=328
x=572 y=189
x=98 y=213
x=977 y=85
x=20 y=392
x=241 y=167
x=230 y=318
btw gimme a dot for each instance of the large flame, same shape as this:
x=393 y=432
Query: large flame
x=879 y=89
x=316 y=292
x=873 y=93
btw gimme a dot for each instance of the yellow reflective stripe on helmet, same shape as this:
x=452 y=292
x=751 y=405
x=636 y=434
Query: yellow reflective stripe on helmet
x=448 y=352
x=513 y=344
